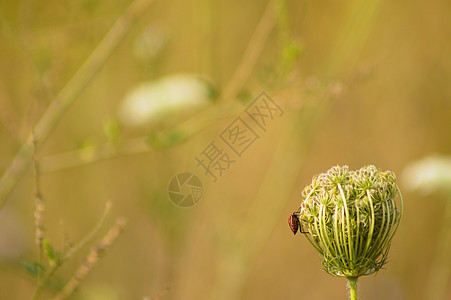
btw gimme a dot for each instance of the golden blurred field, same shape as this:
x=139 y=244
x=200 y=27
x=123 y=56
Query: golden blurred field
x=358 y=83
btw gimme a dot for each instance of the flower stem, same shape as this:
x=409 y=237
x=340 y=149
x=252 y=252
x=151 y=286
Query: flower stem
x=68 y=95
x=352 y=283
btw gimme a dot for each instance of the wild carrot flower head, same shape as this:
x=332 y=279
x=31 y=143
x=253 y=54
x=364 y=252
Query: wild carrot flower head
x=350 y=217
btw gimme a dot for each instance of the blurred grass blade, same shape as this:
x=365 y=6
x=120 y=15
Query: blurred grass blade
x=68 y=94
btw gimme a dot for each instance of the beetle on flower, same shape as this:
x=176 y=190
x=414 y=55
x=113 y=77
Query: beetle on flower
x=350 y=218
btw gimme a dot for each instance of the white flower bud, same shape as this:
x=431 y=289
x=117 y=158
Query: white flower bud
x=165 y=100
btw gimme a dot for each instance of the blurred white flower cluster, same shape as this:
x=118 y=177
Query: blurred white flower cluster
x=165 y=99
x=430 y=174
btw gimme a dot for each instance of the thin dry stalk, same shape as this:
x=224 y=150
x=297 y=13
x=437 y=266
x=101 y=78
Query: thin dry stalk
x=251 y=54
x=39 y=204
x=69 y=94
x=92 y=259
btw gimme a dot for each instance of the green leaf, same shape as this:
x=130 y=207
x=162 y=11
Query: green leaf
x=33 y=268
x=112 y=130
x=50 y=253
x=165 y=140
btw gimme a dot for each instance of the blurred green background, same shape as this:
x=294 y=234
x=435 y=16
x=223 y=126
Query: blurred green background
x=360 y=82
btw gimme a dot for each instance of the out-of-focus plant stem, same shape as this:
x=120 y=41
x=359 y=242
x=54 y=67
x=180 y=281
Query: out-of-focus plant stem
x=93 y=154
x=251 y=54
x=351 y=38
x=110 y=150
x=93 y=257
x=281 y=172
x=42 y=282
x=239 y=250
x=68 y=95
x=441 y=266
x=184 y=130
x=352 y=282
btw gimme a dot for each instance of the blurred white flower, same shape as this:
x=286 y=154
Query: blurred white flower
x=164 y=100
x=430 y=174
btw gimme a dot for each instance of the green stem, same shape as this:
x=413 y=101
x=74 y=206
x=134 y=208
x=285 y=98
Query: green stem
x=68 y=94
x=352 y=283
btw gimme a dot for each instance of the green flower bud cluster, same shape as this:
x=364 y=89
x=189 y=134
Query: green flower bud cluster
x=350 y=217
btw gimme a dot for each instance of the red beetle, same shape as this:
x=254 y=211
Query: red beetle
x=293 y=221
